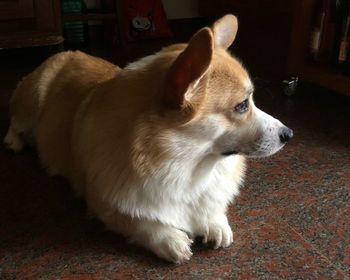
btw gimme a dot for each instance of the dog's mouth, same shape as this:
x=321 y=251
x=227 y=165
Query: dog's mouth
x=229 y=153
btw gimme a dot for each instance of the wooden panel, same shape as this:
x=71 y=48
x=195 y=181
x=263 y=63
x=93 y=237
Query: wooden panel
x=30 y=40
x=274 y=38
x=90 y=16
x=263 y=35
x=46 y=19
x=14 y=9
x=299 y=35
x=26 y=23
x=325 y=77
x=299 y=65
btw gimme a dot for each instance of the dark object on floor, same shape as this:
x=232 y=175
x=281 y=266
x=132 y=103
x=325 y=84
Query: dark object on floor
x=290 y=86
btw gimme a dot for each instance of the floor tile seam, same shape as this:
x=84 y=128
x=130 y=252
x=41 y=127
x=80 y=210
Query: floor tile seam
x=320 y=253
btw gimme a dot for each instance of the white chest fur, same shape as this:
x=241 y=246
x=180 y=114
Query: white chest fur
x=180 y=193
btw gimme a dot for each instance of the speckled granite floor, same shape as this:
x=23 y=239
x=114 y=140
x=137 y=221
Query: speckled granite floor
x=291 y=220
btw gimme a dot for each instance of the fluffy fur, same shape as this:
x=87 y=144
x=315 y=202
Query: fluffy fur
x=157 y=149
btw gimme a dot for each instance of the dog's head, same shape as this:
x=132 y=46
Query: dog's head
x=214 y=93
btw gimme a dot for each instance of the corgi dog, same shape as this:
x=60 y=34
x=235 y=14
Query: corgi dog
x=156 y=149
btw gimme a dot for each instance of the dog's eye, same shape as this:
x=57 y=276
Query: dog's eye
x=242 y=107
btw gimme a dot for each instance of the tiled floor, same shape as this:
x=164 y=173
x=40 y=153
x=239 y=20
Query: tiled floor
x=291 y=220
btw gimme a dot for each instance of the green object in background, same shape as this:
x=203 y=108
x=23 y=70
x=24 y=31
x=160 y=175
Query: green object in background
x=76 y=7
x=74 y=31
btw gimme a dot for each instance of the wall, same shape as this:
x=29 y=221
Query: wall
x=181 y=8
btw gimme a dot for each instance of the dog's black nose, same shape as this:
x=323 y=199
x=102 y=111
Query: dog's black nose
x=285 y=134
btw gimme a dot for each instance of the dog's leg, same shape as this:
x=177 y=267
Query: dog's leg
x=165 y=241
x=218 y=231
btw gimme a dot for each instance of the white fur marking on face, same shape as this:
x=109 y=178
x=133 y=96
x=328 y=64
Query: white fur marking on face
x=270 y=142
x=256 y=137
x=208 y=128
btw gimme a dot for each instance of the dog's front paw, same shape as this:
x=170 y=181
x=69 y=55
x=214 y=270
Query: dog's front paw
x=173 y=245
x=219 y=232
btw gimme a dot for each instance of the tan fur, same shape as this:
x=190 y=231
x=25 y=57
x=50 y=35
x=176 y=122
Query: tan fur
x=46 y=100
x=144 y=145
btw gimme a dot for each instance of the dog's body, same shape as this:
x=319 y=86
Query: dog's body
x=156 y=149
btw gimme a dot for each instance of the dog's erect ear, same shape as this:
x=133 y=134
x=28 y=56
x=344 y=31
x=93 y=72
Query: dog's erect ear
x=225 y=31
x=188 y=68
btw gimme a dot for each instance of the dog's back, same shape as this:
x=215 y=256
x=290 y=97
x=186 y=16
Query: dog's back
x=45 y=102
